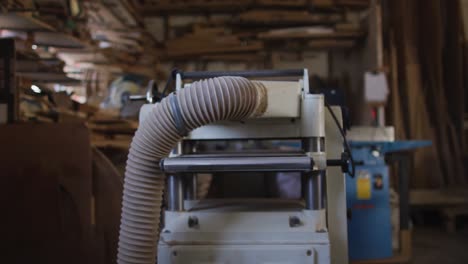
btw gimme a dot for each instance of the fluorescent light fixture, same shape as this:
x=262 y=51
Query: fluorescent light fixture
x=35 y=89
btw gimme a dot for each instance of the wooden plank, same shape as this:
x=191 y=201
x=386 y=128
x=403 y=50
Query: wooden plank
x=322 y=44
x=57 y=39
x=126 y=128
x=282 y=3
x=100 y=14
x=47 y=77
x=358 y=4
x=203 y=50
x=397 y=119
x=305 y=33
x=204 y=41
x=112 y=143
x=392 y=260
x=23 y=22
x=453 y=76
x=441 y=79
x=374 y=41
x=166 y=7
x=406 y=249
x=121 y=12
x=421 y=197
x=346 y=26
x=426 y=163
x=353 y=3
x=282 y=17
x=237 y=57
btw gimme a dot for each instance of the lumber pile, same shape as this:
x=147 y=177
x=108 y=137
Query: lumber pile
x=152 y=7
x=255 y=31
x=428 y=95
x=206 y=29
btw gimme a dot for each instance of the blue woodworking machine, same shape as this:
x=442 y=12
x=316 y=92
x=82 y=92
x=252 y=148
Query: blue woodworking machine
x=368 y=193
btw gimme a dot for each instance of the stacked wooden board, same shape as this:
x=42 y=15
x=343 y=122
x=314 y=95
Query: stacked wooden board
x=428 y=94
x=200 y=29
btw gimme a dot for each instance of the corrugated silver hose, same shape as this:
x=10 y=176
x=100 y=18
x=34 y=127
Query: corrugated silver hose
x=207 y=101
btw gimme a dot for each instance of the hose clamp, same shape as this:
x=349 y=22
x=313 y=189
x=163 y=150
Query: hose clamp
x=179 y=121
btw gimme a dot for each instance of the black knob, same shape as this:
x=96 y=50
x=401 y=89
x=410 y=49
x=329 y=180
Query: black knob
x=345 y=161
x=193 y=222
x=294 y=221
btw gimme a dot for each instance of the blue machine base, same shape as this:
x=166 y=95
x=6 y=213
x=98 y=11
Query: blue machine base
x=369 y=223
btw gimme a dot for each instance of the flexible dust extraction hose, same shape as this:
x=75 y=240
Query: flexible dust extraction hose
x=205 y=102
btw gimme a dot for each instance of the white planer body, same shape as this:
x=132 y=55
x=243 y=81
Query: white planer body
x=267 y=231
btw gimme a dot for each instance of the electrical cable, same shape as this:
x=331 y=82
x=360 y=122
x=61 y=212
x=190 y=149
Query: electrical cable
x=346 y=144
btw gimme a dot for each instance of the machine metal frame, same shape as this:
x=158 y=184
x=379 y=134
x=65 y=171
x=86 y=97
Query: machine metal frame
x=280 y=231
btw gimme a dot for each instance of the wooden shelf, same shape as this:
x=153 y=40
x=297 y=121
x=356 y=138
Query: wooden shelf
x=164 y=8
x=113 y=126
x=287 y=18
x=23 y=22
x=47 y=77
x=437 y=198
x=305 y=35
x=58 y=40
x=36 y=64
x=123 y=144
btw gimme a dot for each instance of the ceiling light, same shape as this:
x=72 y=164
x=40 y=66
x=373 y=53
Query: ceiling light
x=35 y=89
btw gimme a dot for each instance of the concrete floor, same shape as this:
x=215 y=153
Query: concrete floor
x=432 y=245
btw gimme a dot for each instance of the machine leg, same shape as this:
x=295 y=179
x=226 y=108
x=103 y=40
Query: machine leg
x=314 y=191
x=175 y=193
x=191 y=186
